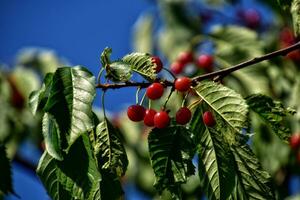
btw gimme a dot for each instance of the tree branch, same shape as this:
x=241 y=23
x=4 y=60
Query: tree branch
x=220 y=74
x=227 y=71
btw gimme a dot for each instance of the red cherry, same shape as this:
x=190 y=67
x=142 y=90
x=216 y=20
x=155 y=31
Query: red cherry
x=205 y=61
x=136 y=113
x=149 y=117
x=159 y=65
x=161 y=119
x=252 y=18
x=155 y=91
x=295 y=141
x=185 y=57
x=208 y=119
x=177 y=67
x=183 y=115
x=183 y=84
x=287 y=37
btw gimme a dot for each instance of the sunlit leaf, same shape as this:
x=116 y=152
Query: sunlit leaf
x=70 y=102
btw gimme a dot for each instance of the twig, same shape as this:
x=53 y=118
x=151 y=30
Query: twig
x=224 y=72
x=217 y=74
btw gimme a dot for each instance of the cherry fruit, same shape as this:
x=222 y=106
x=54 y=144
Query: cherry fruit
x=183 y=116
x=159 y=65
x=136 y=113
x=185 y=57
x=155 y=91
x=295 y=141
x=149 y=117
x=161 y=119
x=183 y=84
x=177 y=67
x=205 y=61
x=208 y=119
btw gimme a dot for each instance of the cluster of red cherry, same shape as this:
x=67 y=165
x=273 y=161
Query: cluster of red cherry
x=295 y=145
x=204 y=62
x=161 y=119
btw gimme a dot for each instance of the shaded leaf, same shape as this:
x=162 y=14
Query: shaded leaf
x=70 y=102
x=5 y=175
x=118 y=71
x=109 y=149
x=76 y=177
x=111 y=187
x=171 y=151
x=272 y=112
x=51 y=135
x=252 y=182
x=38 y=98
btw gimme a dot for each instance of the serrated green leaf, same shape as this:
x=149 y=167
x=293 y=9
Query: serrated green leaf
x=228 y=170
x=226 y=103
x=76 y=177
x=51 y=135
x=215 y=159
x=38 y=98
x=171 y=151
x=5 y=175
x=295 y=11
x=105 y=57
x=252 y=182
x=70 y=102
x=142 y=64
x=272 y=112
x=109 y=149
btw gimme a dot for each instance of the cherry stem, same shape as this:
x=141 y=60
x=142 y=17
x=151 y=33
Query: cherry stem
x=220 y=73
x=137 y=95
x=142 y=100
x=168 y=98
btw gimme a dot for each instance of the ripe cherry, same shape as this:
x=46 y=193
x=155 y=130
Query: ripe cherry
x=183 y=115
x=136 y=113
x=161 y=119
x=252 y=18
x=177 y=67
x=208 y=119
x=205 y=61
x=183 y=84
x=155 y=91
x=149 y=117
x=295 y=141
x=185 y=57
x=159 y=65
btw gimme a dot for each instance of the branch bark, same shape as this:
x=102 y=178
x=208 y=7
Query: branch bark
x=217 y=74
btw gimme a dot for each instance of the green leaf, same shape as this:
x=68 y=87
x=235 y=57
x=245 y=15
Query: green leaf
x=252 y=182
x=38 y=98
x=228 y=170
x=142 y=64
x=76 y=177
x=105 y=57
x=111 y=187
x=51 y=135
x=272 y=112
x=70 y=102
x=171 y=151
x=118 y=71
x=143 y=30
x=295 y=11
x=5 y=175
x=109 y=149
x=215 y=160
x=226 y=103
